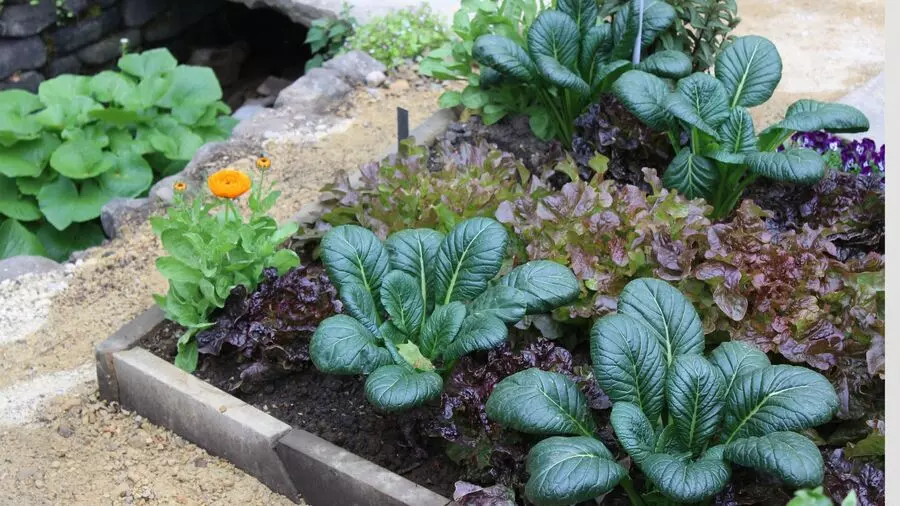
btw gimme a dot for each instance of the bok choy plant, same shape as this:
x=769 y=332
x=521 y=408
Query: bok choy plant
x=726 y=154
x=682 y=418
x=422 y=300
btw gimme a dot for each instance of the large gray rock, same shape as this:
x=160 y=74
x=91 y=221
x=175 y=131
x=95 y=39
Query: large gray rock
x=303 y=12
x=64 y=65
x=138 y=12
x=23 y=20
x=317 y=92
x=354 y=66
x=119 y=212
x=28 y=81
x=21 y=54
x=68 y=39
x=869 y=98
x=13 y=267
x=178 y=19
x=109 y=48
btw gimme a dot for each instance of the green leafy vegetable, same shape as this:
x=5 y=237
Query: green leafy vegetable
x=418 y=340
x=682 y=420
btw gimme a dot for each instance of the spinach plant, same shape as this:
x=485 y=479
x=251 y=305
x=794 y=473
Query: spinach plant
x=725 y=154
x=568 y=59
x=327 y=37
x=681 y=417
x=83 y=141
x=422 y=300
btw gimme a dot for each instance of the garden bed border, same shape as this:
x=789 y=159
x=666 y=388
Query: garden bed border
x=290 y=461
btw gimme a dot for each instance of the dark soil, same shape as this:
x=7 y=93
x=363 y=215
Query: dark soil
x=334 y=408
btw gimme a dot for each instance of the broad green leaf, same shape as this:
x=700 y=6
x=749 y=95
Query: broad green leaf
x=811 y=115
x=20 y=102
x=468 y=258
x=16 y=122
x=797 y=165
x=595 y=48
x=28 y=158
x=777 y=398
x=358 y=303
x=554 y=43
x=284 y=260
x=506 y=303
x=608 y=73
x=478 y=332
x=750 y=69
x=505 y=56
x=354 y=255
x=130 y=177
x=341 y=345
x=441 y=328
x=388 y=332
x=695 y=396
x=737 y=133
x=706 y=98
x=686 y=481
x=540 y=402
x=17 y=240
x=395 y=388
x=671 y=64
x=792 y=457
x=414 y=357
x=181 y=248
x=645 y=96
x=60 y=244
x=413 y=251
x=633 y=430
x=540 y=123
x=658 y=16
x=546 y=285
x=15 y=205
x=402 y=300
x=818 y=497
x=584 y=12
x=63 y=203
x=629 y=363
x=191 y=87
x=669 y=442
x=684 y=109
x=148 y=63
x=116 y=116
x=669 y=314
x=449 y=99
x=474 y=98
x=109 y=86
x=62 y=89
x=175 y=141
x=735 y=358
x=81 y=160
x=176 y=271
x=570 y=470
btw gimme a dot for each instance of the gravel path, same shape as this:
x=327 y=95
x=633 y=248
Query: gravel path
x=63 y=446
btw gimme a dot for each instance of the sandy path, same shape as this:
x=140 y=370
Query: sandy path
x=76 y=450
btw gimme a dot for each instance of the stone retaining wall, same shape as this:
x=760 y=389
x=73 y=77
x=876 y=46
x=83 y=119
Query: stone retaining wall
x=40 y=40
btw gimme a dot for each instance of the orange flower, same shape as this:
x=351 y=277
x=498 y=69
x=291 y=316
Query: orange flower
x=179 y=186
x=229 y=183
x=263 y=163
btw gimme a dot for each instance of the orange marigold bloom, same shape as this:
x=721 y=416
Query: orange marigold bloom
x=263 y=163
x=179 y=186
x=229 y=183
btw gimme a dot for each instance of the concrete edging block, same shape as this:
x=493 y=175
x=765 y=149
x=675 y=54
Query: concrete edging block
x=327 y=474
x=201 y=413
x=125 y=338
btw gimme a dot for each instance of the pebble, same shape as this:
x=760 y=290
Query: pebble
x=137 y=442
x=399 y=85
x=65 y=431
x=375 y=78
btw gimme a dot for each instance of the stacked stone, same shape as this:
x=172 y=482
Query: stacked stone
x=39 y=41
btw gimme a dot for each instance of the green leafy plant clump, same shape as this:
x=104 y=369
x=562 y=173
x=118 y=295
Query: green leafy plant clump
x=682 y=418
x=419 y=302
x=725 y=154
x=327 y=37
x=211 y=249
x=401 y=35
x=83 y=141
x=567 y=58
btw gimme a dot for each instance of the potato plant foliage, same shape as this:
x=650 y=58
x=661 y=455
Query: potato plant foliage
x=420 y=301
x=682 y=417
x=725 y=154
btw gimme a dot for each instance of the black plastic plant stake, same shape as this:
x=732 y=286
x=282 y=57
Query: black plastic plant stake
x=402 y=125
